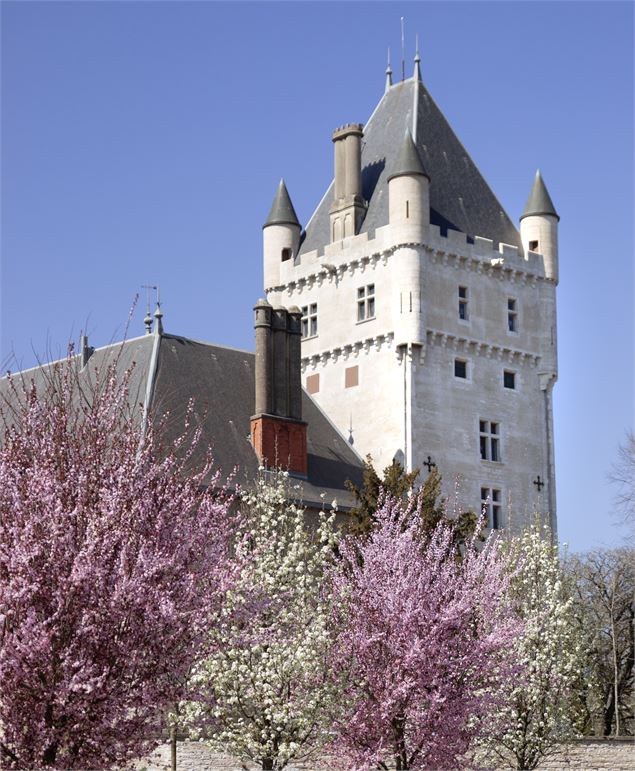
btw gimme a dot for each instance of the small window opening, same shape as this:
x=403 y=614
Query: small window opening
x=533 y=246
x=407 y=209
x=460 y=368
x=512 y=315
x=509 y=379
x=463 y=311
x=286 y=255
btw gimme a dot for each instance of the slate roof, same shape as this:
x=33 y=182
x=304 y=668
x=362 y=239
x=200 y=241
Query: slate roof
x=408 y=161
x=220 y=381
x=539 y=201
x=460 y=199
x=282 y=211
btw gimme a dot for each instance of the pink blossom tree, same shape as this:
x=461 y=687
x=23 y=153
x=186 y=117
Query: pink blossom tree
x=425 y=636
x=113 y=554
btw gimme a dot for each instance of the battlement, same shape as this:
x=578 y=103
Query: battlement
x=478 y=252
x=346 y=129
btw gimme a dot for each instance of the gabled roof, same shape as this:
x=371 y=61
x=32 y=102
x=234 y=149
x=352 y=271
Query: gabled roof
x=539 y=201
x=282 y=211
x=172 y=370
x=221 y=381
x=460 y=199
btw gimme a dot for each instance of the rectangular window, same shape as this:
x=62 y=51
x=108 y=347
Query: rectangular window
x=512 y=315
x=366 y=302
x=509 y=379
x=491 y=506
x=463 y=300
x=489 y=440
x=309 y=320
x=460 y=368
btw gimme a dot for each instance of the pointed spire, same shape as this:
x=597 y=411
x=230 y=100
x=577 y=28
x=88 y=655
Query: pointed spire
x=158 y=315
x=417 y=74
x=388 y=73
x=539 y=201
x=408 y=161
x=282 y=211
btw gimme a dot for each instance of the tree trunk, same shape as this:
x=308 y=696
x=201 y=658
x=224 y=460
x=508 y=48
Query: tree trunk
x=616 y=673
x=173 y=747
x=267 y=764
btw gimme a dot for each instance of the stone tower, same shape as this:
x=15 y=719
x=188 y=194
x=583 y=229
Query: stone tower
x=428 y=317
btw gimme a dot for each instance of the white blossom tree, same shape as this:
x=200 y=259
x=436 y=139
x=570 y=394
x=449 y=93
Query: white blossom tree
x=539 y=713
x=265 y=691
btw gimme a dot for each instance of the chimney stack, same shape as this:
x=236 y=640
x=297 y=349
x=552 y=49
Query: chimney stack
x=278 y=433
x=348 y=208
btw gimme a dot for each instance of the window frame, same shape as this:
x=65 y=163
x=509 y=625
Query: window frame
x=366 y=303
x=309 y=321
x=514 y=375
x=513 y=316
x=468 y=369
x=463 y=309
x=492 y=505
x=490 y=440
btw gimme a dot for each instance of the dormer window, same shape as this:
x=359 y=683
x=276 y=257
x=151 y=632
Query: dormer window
x=286 y=255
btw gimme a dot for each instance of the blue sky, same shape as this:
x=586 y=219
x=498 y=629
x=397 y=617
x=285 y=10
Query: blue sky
x=142 y=142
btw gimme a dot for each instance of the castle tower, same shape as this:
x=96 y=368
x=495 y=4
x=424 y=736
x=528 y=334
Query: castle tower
x=428 y=319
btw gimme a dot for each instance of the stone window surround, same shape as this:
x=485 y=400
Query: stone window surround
x=490 y=440
x=492 y=505
x=309 y=321
x=365 y=303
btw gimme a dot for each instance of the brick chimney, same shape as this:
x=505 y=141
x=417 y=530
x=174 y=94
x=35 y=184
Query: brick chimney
x=278 y=432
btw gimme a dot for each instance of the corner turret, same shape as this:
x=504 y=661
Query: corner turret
x=280 y=235
x=409 y=189
x=409 y=219
x=539 y=226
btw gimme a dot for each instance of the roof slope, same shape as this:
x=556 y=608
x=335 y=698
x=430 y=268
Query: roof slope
x=460 y=198
x=539 y=201
x=221 y=383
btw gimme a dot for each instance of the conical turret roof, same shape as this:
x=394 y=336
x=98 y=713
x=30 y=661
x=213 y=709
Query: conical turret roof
x=282 y=211
x=539 y=201
x=408 y=161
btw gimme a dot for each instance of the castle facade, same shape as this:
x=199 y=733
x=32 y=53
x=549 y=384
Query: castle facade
x=428 y=318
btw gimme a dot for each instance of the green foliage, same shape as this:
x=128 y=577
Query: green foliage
x=399 y=484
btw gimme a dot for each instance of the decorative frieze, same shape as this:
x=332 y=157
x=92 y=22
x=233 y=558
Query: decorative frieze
x=469 y=345
x=346 y=352
x=500 y=267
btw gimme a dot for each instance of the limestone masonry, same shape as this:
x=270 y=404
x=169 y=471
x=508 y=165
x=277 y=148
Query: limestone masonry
x=428 y=319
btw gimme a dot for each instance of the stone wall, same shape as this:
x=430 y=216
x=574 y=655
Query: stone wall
x=587 y=754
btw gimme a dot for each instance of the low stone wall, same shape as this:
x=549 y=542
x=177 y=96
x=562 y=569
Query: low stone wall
x=587 y=754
